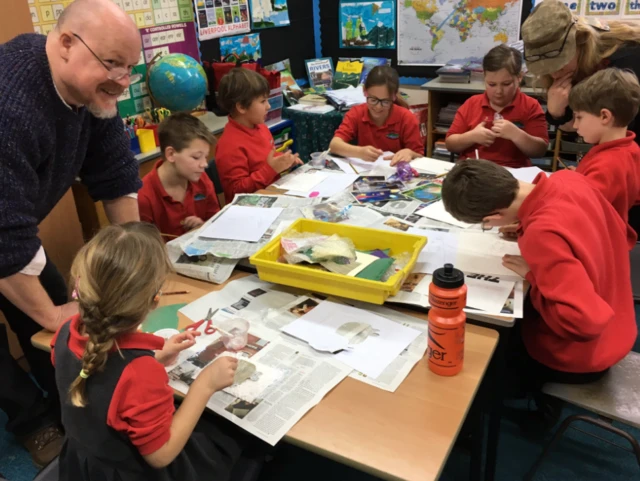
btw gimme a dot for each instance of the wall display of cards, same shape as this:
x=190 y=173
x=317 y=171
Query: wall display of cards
x=368 y=24
x=219 y=18
x=44 y=14
x=269 y=13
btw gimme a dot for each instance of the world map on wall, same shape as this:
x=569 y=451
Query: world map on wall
x=435 y=32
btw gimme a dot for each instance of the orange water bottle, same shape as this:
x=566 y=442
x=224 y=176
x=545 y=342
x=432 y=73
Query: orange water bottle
x=448 y=297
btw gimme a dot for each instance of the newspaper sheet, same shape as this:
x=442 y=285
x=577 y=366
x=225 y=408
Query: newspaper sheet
x=204 y=267
x=270 y=308
x=231 y=249
x=276 y=384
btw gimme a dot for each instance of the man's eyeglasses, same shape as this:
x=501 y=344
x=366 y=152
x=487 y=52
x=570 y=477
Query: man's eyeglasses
x=115 y=73
x=551 y=53
x=374 y=101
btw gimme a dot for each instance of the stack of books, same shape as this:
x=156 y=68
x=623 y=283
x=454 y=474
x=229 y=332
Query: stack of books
x=440 y=150
x=453 y=73
x=476 y=71
x=445 y=117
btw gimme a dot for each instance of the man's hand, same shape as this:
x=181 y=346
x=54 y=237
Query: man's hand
x=404 y=155
x=175 y=345
x=192 y=222
x=283 y=162
x=482 y=135
x=517 y=264
x=369 y=153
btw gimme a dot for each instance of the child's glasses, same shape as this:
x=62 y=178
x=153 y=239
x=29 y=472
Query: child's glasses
x=375 y=101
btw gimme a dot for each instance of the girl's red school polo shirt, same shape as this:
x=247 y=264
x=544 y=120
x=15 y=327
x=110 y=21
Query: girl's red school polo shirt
x=400 y=131
x=524 y=112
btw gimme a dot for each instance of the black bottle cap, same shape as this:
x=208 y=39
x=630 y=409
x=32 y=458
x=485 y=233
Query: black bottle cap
x=448 y=277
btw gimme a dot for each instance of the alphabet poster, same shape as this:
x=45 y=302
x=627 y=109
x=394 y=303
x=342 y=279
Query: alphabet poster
x=219 y=18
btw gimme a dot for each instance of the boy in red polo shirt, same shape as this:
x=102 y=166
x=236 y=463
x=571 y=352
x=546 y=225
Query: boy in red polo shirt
x=177 y=195
x=574 y=254
x=603 y=106
x=503 y=124
x=383 y=124
x=245 y=153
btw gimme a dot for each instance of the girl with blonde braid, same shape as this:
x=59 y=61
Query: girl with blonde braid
x=117 y=407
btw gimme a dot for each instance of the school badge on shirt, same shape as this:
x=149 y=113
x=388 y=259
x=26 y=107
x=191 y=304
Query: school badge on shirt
x=199 y=197
x=393 y=136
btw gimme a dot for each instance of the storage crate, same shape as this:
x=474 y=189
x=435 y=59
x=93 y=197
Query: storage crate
x=365 y=239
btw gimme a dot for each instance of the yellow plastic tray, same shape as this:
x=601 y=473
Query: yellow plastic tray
x=304 y=277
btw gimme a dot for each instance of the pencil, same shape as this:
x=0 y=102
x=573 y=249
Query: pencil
x=563 y=164
x=354 y=169
x=169 y=235
x=174 y=293
x=441 y=175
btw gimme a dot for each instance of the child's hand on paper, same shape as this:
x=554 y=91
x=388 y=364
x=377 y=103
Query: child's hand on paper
x=369 y=153
x=510 y=231
x=404 y=155
x=175 y=345
x=192 y=222
x=517 y=264
x=482 y=135
x=220 y=373
x=283 y=162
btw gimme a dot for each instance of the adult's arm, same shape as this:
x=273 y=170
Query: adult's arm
x=122 y=210
x=19 y=242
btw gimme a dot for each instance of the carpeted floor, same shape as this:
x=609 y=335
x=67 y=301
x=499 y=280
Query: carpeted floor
x=576 y=457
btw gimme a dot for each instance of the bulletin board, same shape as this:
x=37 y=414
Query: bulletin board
x=166 y=26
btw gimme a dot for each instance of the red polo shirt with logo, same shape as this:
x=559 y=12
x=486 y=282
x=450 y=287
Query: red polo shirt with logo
x=241 y=159
x=524 y=112
x=142 y=404
x=400 y=131
x=159 y=208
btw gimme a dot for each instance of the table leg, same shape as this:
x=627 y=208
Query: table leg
x=496 y=385
x=477 y=439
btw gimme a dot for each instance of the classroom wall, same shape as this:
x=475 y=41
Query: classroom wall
x=294 y=42
x=330 y=37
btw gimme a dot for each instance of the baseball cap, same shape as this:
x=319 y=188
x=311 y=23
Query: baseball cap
x=549 y=37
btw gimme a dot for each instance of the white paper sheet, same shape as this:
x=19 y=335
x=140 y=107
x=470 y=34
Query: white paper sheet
x=333 y=184
x=380 y=340
x=486 y=295
x=436 y=211
x=526 y=174
x=483 y=252
x=242 y=223
x=312 y=109
x=303 y=182
x=431 y=166
x=440 y=249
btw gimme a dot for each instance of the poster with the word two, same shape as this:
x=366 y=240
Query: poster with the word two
x=219 y=18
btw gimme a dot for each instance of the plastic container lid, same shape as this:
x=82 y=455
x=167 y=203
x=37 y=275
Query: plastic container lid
x=448 y=277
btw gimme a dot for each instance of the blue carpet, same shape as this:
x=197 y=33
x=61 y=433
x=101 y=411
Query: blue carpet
x=576 y=456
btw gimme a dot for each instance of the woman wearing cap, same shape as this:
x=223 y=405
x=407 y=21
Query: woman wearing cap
x=562 y=50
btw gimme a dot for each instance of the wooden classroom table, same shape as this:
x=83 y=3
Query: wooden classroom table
x=406 y=435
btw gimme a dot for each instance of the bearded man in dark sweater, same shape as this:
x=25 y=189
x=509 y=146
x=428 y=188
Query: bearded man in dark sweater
x=58 y=121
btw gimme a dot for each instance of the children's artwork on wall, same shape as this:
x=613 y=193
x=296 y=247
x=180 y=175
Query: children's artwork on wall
x=218 y=18
x=269 y=13
x=241 y=48
x=368 y=24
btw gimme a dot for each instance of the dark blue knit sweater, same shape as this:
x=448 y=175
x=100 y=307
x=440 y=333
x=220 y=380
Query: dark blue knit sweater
x=44 y=146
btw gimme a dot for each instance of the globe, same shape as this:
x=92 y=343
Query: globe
x=177 y=82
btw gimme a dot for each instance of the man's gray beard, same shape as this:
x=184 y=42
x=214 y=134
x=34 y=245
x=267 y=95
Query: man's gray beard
x=102 y=113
